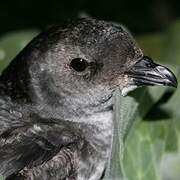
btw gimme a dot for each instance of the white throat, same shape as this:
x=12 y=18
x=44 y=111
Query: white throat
x=128 y=89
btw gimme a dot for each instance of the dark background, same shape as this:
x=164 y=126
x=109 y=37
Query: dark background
x=139 y=16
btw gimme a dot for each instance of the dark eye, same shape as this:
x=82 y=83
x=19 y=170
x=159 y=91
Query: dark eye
x=79 y=64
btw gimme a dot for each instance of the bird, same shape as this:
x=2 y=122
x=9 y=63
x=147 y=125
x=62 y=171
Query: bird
x=56 y=99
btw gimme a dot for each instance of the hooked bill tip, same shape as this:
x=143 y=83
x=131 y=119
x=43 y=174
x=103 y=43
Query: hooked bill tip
x=146 y=72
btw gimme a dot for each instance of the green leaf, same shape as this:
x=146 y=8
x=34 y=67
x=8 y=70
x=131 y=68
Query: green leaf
x=128 y=112
x=12 y=43
x=153 y=147
x=152 y=150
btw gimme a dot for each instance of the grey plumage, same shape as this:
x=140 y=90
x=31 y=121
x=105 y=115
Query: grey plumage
x=56 y=119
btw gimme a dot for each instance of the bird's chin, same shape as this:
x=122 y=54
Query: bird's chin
x=126 y=90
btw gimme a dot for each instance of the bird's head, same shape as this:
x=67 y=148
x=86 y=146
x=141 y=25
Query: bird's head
x=77 y=67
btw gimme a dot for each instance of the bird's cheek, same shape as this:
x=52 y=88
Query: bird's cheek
x=124 y=84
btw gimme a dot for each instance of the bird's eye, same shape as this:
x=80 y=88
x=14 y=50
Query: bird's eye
x=79 y=64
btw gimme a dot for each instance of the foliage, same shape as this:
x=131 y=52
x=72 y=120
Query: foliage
x=152 y=147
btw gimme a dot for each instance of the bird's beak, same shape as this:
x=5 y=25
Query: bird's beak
x=146 y=72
